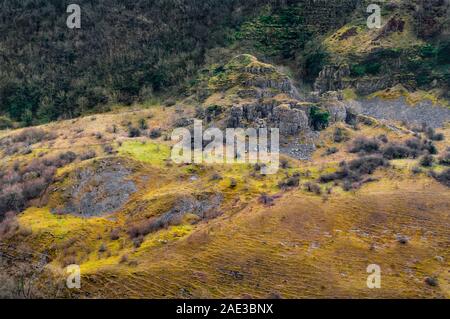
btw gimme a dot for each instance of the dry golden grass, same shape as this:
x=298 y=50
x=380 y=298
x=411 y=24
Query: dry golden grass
x=304 y=245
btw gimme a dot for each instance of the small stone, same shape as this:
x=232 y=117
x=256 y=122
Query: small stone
x=439 y=258
x=433 y=282
x=402 y=239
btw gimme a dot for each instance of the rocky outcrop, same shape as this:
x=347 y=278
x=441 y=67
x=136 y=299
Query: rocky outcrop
x=333 y=102
x=204 y=205
x=289 y=120
x=332 y=78
x=97 y=190
x=399 y=110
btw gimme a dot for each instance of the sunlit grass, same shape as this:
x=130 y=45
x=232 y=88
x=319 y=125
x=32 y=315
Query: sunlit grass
x=152 y=153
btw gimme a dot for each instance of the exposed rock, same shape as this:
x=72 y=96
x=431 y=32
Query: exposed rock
x=290 y=121
x=402 y=239
x=431 y=281
x=97 y=190
x=331 y=78
x=203 y=205
x=369 y=85
x=424 y=112
x=332 y=102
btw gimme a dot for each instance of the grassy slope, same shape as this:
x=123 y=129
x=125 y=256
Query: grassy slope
x=303 y=246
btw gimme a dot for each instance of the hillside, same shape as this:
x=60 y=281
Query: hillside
x=88 y=176
x=134 y=51
x=102 y=192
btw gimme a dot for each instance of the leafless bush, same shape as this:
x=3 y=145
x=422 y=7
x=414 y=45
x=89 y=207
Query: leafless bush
x=330 y=150
x=34 y=188
x=88 y=155
x=108 y=149
x=444 y=159
x=291 y=181
x=284 y=163
x=115 y=234
x=313 y=188
x=340 y=135
x=266 y=199
x=365 y=145
x=444 y=177
x=11 y=198
x=8 y=225
x=397 y=151
x=32 y=136
x=67 y=157
x=426 y=161
x=133 y=132
x=155 y=133
x=216 y=177
x=432 y=135
x=367 y=164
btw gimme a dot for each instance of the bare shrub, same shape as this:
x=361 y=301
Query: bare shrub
x=32 y=136
x=330 y=150
x=444 y=159
x=133 y=132
x=367 y=164
x=67 y=157
x=115 y=234
x=143 y=124
x=8 y=225
x=426 y=161
x=34 y=188
x=313 y=188
x=12 y=199
x=108 y=149
x=383 y=138
x=444 y=177
x=292 y=181
x=365 y=145
x=265 y=199
x=432 y=135
x=284 y=163
x=155 y=133
x=397 y=151
x=88 y=155
x=340 y=135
